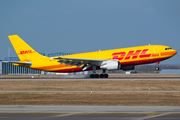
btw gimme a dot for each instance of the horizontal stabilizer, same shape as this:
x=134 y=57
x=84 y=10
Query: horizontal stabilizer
x=27 y=63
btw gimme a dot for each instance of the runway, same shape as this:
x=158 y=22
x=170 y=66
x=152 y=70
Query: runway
x=86 y=109
x=93 y=79
x=56 y=112
x=87 y=116
x=126 y=91
x=89 y=112
x=86 y=77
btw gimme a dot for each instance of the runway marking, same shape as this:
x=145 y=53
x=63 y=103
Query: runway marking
x=91 y=112
x=64 y=115
x=152 y=116
x=156 y=113
x=74 y=112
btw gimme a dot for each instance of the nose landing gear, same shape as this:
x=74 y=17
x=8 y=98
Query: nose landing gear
x=157 y=66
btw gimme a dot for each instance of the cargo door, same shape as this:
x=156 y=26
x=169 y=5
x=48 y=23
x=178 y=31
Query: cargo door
x=155 y=52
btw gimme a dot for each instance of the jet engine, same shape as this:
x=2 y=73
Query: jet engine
x=111 y=65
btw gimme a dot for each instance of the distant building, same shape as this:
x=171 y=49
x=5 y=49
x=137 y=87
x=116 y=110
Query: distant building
x=59 y=54
x=8 y=68
x=11 y=59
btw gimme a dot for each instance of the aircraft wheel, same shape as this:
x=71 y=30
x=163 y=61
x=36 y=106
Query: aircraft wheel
x=157 y=68
x=101 y=75
x=106 y=76
x=96 y=76
x=91 y=76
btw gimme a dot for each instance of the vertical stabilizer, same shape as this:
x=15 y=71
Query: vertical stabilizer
x=23 y=50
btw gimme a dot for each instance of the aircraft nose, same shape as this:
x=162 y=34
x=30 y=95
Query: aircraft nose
x=174 y=52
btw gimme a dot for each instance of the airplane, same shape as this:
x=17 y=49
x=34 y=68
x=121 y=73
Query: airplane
x=114 y=59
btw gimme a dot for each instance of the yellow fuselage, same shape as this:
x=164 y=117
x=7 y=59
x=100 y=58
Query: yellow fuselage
x=127 y=57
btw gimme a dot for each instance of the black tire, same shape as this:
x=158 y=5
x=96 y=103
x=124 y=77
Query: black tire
x=106 y=76
x=91 y=76
x=101 y=76
x=157 y=68
x=96 y=76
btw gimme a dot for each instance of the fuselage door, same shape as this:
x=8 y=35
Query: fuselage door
x=155 y=52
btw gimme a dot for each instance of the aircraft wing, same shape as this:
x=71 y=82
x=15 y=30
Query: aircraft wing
x=79 y=62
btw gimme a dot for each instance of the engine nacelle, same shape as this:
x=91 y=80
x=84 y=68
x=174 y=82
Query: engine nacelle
x=110 y=65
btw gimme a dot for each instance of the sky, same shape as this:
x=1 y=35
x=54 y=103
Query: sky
x=77 y=26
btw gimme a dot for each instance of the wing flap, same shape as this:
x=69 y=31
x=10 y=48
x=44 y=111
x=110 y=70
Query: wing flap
x=85 y=63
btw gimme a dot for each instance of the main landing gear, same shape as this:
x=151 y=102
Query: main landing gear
x=104 y=75
x=157 y=66
x=94 y=75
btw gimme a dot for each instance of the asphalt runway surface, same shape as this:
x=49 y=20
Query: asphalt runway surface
x=89 y=112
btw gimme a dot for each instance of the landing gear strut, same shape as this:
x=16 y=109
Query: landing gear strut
x=94 y=75
x=157 y=66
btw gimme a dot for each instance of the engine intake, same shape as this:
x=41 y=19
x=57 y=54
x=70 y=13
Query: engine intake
x=110 y=65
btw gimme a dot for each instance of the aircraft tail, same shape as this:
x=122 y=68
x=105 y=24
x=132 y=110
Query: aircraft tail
x=23 y=50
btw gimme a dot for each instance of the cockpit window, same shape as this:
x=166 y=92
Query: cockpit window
x=168 y=48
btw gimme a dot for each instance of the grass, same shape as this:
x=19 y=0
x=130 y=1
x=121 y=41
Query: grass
x=90 y=84
x=161 y=99
x=121 y=98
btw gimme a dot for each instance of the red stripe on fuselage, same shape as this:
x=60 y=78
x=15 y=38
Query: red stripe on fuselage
x=52 y=67
x=138 y=62
x=79 y=69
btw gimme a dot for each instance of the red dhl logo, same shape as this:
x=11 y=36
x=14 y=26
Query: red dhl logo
x=25 y=52
x=131 y=55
